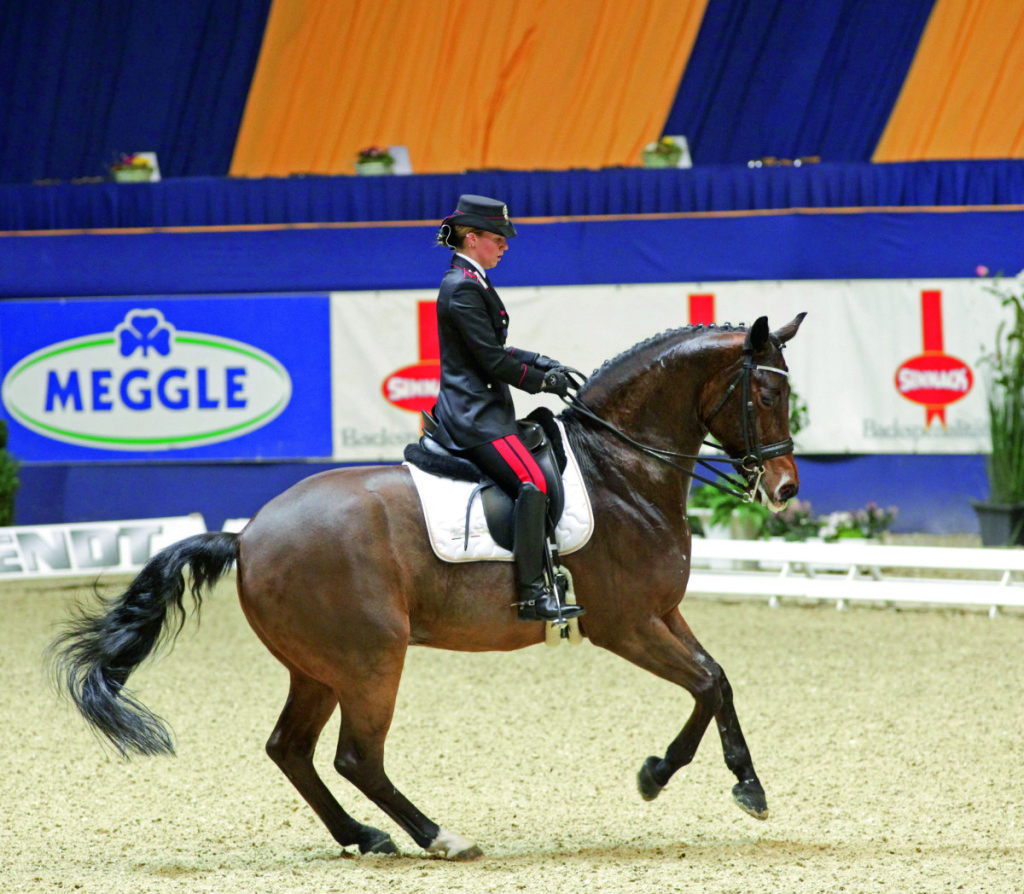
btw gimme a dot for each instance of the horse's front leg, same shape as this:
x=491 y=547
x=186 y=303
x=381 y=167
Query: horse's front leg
x=667 y=648
x=748 y=792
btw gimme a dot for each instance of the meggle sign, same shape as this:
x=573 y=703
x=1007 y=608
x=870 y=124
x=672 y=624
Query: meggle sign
x=146 y=386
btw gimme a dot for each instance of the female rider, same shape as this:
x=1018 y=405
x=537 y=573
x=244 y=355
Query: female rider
x=474 y=411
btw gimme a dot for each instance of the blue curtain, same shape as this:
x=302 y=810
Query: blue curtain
x=227 y=201
x=795 y=78
x=80 y=82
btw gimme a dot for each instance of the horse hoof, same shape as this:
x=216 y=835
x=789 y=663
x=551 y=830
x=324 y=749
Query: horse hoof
x=454 y=847
x=750 y=798
x=377 y=841
x=649 y=787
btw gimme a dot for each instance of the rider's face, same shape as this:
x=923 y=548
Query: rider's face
x=486 y=248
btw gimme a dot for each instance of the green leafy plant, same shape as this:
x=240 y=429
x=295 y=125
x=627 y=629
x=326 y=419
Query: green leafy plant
x=664 y=146
x=725 y=506
x=8 y=479
x=799 y=418
x=1005 y=394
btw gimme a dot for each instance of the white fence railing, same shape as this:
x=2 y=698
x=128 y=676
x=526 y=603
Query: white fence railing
x=858 y=571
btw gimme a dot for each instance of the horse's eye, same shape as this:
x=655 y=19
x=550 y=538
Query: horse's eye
x=768 y=400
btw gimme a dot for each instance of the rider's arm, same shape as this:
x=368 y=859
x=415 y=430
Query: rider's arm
x=513 y=366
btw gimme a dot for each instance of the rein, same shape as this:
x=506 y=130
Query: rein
x=754 y=454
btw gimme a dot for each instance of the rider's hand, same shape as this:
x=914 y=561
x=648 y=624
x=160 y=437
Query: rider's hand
x=556 y=382
x=545 y=363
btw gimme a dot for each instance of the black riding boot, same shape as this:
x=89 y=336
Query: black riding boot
x=536 y=601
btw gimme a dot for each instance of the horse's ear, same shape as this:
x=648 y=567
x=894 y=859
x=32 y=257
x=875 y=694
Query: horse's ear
x=789 y=330
x=757 y=335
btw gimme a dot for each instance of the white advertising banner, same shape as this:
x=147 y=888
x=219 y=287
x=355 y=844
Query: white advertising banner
x=884 y=366
x=90 y=549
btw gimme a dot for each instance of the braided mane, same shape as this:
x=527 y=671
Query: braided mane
x=668 y=335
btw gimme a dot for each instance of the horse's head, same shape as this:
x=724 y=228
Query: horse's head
x=746 y=408
x=665 y=394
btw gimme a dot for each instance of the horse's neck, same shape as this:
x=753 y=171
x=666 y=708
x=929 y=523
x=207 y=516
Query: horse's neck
x=653 y=396
x=625 y=481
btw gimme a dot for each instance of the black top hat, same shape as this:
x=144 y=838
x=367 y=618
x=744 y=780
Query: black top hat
x=480 y=212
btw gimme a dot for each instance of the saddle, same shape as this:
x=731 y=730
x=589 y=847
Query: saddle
x=539 y=434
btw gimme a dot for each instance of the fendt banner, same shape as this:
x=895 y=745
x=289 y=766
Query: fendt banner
x=884 y=366
x=150 y=378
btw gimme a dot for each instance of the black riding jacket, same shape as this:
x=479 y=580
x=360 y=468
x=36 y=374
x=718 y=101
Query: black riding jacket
x=475 y=405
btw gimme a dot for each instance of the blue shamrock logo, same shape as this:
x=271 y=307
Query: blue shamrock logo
x=144 y=329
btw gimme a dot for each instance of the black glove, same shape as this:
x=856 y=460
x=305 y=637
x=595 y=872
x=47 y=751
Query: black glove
x=556 y=382
x=545 y=363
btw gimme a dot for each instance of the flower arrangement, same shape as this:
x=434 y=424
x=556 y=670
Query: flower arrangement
x=374 y=160
x=132 y=161
x=131 y=168
x=795 y=522
x=374 y=154
x=664 y=146
x=870 y=522
x=663 y=153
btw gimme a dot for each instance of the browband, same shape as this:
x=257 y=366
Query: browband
x=771 y=369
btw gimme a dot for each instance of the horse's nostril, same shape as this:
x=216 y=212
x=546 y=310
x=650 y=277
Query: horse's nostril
x=787 y=492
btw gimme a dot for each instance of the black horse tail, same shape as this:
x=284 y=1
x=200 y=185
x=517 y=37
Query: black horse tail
x=92 y=658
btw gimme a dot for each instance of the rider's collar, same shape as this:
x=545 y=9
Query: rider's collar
x=474 y=263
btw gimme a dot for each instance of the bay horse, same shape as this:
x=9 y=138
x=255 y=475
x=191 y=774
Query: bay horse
x=336 y=576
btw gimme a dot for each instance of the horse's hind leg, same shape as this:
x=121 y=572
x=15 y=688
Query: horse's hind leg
x=748 y=792
x=291 y=746
x=366 y=711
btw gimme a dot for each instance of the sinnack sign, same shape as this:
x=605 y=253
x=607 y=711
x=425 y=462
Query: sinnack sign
x=146 y=386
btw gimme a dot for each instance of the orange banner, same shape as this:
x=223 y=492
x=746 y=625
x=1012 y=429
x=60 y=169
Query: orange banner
x=464 y=85
x=965 y=89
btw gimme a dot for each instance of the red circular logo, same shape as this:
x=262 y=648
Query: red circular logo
x=415 y=387
x=934 y=379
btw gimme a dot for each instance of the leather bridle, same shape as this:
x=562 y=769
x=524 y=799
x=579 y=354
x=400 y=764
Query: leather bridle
x=754 y=454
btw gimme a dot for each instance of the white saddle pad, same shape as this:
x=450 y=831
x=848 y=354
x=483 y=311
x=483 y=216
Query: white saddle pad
x=444 y=509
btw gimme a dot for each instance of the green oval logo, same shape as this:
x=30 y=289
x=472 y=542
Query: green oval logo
x=146 y=386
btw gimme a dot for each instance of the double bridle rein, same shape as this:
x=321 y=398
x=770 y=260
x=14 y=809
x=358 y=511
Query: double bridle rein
x=754 y=456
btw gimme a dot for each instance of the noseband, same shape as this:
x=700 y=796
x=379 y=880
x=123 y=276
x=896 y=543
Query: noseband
x=752 y=463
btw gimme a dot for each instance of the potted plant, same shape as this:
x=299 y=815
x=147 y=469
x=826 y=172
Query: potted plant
x=1001 y=517
x=131 y=169
x=374 y=161
x=664 y=153
x=733 y=517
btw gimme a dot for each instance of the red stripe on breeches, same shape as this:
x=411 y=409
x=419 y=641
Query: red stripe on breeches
x=521 y=461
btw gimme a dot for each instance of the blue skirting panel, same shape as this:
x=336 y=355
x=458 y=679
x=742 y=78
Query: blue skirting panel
x=863 y=245
x=932 y=493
